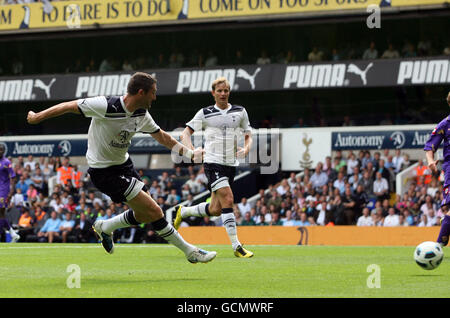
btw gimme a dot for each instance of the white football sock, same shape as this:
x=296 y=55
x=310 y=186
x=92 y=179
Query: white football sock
x=199 y=210
x=229 y=222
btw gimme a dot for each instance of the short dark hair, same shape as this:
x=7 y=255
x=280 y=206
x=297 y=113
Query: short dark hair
x=140 y=80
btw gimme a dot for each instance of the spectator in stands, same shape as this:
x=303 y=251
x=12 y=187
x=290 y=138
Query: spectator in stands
x=446 y=50
x=378 y=217
x=248 y=220
x=38 y=179
x=319 y=178
x=173 y=198
x=370 y=53
x=365 y=219
x=390 y=53
x=25 y=224
x=275 y=219
x=422 y=170
x=51 y=229
x=66 y=227
x=30 y=163
x=303 y=220
x=391 y=219
x=380 y=187
x=193 y=185
x=408 y=50
x=106 y=65
x=83 y=229
x=424 y=221
x=335 y=56
x=339 y=183
x=17 y=66
x=31 y=193
x=127 y=66
x=64 y=172
x=315 y=55
x=211 y=59
x=18 y=199
x=263 y=58
x=244 y=206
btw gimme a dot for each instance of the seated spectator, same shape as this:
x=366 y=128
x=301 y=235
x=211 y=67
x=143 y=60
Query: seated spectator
x=303 y=220
x=391 y=219
x=51 y=229
x=206 y=221
x=244 y=206
x=365 y=219
x=263 y=59
x=319 y=178
x=402 y=221
x=194 y=186
x=211 y=59
x=66 y=227
x=371 y=53
x=26 y=224
x=248 y=221
x=17 y=200
x=173 y=198
x=380 y=187
x=83 y=229
x=275 y=219
x=390 y=53
x=315 y=55
x=424 y=221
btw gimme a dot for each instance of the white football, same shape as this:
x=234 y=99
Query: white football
x=428 y=255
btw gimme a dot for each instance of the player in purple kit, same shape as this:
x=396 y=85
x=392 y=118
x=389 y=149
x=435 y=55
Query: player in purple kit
x=439 y=134
x=7 y=182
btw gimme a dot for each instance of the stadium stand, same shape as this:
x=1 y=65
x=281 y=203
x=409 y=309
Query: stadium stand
x=310 y=198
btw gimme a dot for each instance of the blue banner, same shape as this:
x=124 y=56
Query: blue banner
x=73 y=147
x=388 y=139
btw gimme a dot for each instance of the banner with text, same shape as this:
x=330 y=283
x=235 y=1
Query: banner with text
x=394 y=139
x=76 y=14
x=242 y=78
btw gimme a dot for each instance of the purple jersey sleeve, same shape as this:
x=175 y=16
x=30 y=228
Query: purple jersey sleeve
x=437 y=135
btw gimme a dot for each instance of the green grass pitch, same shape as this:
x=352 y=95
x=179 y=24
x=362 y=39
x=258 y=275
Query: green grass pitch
x=40 y=270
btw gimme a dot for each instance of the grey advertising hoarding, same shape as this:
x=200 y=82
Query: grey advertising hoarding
x=243 y=78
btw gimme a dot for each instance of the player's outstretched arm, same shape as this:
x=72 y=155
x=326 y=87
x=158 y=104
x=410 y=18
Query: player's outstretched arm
x=54 y=111
x=169 y=142
x=185 y=137
x=243 y=152
x=432 y=163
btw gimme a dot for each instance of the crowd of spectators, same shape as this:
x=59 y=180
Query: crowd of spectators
x=210 y=58
x=356 y=189
x=197 y=58
x=66 y=211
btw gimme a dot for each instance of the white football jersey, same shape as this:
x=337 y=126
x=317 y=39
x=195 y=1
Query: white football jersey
x=222 y=130
x=112 y=127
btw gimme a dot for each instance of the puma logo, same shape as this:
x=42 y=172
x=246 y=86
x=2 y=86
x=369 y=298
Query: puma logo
x=352 y=68
x=40 y=84
x=251 y=78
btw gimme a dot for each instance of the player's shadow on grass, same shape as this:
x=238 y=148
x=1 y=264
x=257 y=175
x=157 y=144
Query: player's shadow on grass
x=428 y=275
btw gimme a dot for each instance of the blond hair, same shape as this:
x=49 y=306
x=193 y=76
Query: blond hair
x=220 y=80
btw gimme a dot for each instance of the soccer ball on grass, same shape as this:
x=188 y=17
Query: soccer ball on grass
x=428 y=255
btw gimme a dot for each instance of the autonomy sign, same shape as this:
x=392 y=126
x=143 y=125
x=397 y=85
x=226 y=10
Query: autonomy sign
x=394 y=139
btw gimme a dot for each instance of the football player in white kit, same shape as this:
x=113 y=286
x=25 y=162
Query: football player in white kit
x=222 y=124
x=115 y=120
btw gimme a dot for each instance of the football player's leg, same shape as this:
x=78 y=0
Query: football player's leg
x=5 y=224
x=146 y=210
x=226 y=199
x=445 y=225
x=200 y=210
